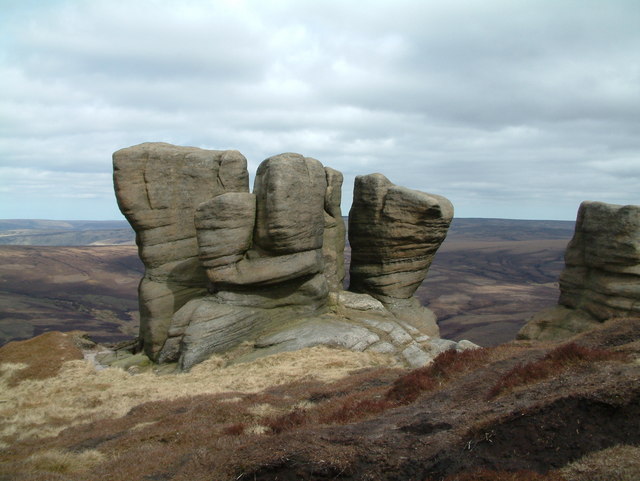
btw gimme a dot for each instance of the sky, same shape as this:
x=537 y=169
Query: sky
x=509 y=108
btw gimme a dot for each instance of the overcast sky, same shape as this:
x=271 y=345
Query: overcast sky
x=514 y=109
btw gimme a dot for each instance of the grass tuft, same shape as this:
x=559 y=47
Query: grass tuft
x=63 y=462
x=619 y=463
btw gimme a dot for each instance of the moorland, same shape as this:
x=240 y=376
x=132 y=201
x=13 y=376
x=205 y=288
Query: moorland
x=488 y=277
x=512 y=410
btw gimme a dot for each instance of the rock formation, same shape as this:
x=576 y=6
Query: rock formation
x=601 y=279
x=158 y=187
x=224 y=266
x=394 y=233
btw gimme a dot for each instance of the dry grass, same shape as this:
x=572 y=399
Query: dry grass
x=288 y=421
x=555 y=362
x=63 y=462
x=80 y=394
x=619 y=463
x=43 y=356
x=354 y=408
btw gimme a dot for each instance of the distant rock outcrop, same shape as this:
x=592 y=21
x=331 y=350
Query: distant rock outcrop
x=225 y=266
x=601 y=279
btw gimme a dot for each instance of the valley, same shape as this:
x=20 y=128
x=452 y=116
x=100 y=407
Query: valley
x=488 y=277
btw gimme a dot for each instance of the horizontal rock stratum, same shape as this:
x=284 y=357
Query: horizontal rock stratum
x=225 y=266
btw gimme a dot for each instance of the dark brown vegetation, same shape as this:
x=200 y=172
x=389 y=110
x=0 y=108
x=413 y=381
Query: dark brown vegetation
x=408 y=387
x=429 y=424
x=488 y=475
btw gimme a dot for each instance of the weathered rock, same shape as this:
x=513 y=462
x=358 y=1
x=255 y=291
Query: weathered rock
x=225 y=266
x=411 y=313
x=217 y=328
x=272 y=236
x=558 y=322
x=326 y=331
x=290 y=190
x=602 y=261
x=358 y=302
x=263 y=252
x=601 y=279
x=158 y=187
x=224 y=227
x=394 y=233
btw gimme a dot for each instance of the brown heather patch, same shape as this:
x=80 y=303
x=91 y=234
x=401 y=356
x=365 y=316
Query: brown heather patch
x=350 y=399
x=353 y=408
x=553 y=363
x=223 y=434
x=43 y=356
x=288 y=421
x=444 y=367
x=235 y=429
x=372 y=396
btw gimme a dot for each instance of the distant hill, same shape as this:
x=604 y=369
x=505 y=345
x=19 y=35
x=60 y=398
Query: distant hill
x=36 y=232
x=509 y=229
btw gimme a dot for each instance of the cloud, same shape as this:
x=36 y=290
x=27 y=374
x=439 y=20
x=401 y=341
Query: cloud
x=510 y=109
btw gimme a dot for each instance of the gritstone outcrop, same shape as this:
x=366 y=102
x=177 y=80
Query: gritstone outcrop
x=601 y=279
x=224 y=265
x=158 y=187
x=394 y=233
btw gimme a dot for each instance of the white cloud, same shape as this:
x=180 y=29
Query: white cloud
x=511 y=109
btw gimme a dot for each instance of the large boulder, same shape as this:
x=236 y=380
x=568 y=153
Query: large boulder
x=158 y=188
x=601 y=279
x=394 y=234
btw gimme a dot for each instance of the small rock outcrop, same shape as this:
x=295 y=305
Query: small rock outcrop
x=601 y=279
x=224 y=266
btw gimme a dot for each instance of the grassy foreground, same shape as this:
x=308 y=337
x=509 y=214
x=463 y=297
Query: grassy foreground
x=520 y=411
